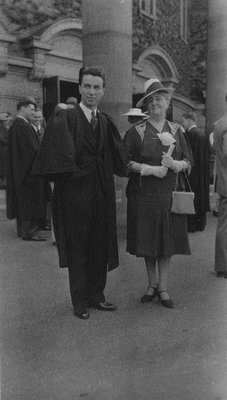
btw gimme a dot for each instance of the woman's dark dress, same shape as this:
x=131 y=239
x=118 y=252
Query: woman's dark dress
x=152 y=230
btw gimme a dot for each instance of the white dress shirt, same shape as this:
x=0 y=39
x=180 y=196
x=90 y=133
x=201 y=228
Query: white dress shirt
x=87 y=111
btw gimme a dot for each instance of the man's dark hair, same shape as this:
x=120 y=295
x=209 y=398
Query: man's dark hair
x=226 y=97
x=71 y=100
x=93 y=70
x=190 y=115
x=25 y=102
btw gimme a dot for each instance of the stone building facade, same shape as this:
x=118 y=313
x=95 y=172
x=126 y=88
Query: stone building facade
x=41 y=48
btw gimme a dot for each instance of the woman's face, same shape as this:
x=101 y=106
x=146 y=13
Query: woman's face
x=157 y=104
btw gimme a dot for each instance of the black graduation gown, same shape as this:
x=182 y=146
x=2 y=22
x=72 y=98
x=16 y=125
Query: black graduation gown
x=25 y=193
x=61 y=158
x=199 y=177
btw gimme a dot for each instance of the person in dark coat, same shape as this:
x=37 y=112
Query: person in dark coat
x=38 y=123
x=220 y=146
x=4 y=119
x=80 y=151
x=199 y=176
x=25 y=193
x=153 y=232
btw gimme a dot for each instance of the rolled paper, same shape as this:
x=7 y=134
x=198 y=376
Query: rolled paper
x=170 y=150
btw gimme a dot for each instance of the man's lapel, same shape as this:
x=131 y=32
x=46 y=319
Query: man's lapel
x=102 y=126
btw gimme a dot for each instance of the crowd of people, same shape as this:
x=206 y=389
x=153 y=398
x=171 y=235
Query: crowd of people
x=70 y=162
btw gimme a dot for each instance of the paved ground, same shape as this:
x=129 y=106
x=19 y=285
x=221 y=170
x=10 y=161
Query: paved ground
x=141 y=352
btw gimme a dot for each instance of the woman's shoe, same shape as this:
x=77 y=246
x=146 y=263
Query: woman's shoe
x=149 y=297
x=168 y=303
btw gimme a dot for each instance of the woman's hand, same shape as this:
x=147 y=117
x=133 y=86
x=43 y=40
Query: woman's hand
x=159 y=172
x=169 y=162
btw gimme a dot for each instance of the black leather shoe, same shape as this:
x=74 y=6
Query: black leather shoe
x=104 y=306
x=149 y=297
x=81 y=312
x=168 y=303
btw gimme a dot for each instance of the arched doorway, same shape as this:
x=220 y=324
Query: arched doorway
x=153 y=62
x=63 y=63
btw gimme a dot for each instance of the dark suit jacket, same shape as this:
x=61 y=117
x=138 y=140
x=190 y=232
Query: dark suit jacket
x=199 y=176
x=61 y=159
x=25 y=193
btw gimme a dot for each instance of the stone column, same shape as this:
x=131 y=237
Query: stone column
x=107 y=41
x=216 y=62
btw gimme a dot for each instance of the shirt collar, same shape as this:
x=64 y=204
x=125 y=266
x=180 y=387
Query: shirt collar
x=35 y=127
x=192 y=126
x=87 y=111
x=19 y=116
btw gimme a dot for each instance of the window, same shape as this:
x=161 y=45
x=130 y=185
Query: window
x=184 y=19
x=148 y=7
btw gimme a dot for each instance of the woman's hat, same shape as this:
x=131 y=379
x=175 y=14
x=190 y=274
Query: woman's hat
x=152 y=86
x=135 y=112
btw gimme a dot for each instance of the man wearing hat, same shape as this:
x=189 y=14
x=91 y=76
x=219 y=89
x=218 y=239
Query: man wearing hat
x=25 y=193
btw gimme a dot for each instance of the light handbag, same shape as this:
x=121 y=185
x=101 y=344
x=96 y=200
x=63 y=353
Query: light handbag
x=182 y=201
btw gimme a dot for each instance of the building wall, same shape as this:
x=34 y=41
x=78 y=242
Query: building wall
x=164 y=32
x=15 y=85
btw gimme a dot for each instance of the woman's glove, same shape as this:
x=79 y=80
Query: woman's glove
x=159 y=172
x=169 y=162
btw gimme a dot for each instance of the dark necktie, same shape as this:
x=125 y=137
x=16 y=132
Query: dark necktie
x=94 y=120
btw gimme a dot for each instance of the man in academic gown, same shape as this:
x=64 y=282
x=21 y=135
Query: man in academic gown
x=80 y=152
x=4 y=119
x=220 y=146
x=25 y=193
x=199 y=175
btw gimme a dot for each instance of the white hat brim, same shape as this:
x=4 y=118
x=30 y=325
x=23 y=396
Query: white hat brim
x=135 y=115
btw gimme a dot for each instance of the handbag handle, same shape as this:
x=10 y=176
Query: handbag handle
x=176 y=185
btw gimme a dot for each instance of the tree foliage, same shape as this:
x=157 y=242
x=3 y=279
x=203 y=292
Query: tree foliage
x=27 y=14
x=198 y=47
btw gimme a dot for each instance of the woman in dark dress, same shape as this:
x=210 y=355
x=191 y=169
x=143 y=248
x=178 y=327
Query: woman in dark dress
x=153 y=232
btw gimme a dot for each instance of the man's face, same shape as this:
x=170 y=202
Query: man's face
x=28 y=111
x=5 y=118
x=37 y=118
x=91 y=90
x=185 y=123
